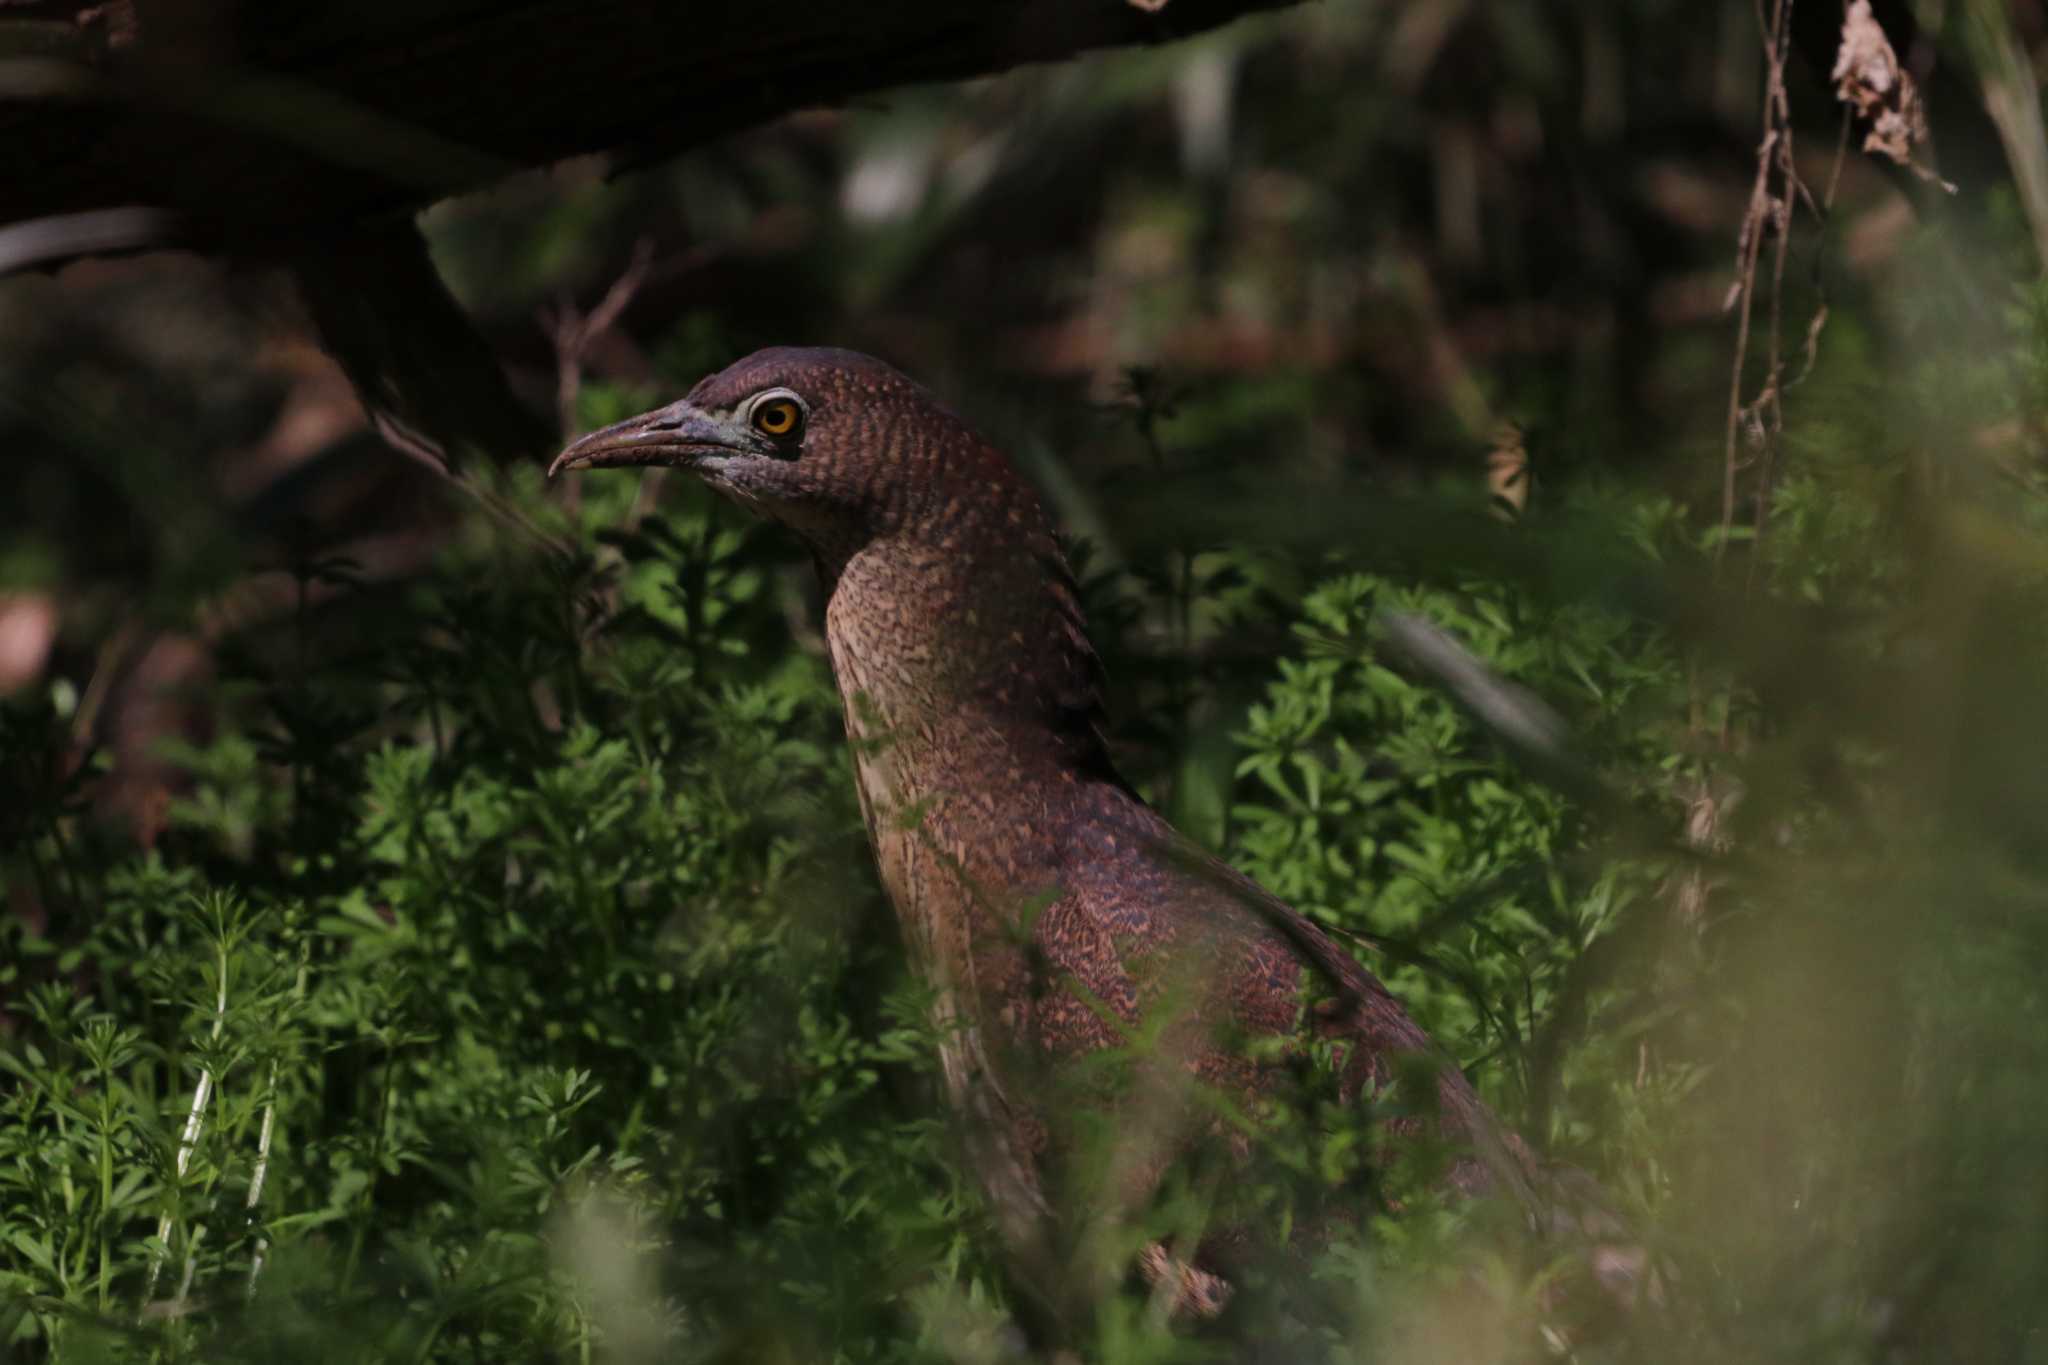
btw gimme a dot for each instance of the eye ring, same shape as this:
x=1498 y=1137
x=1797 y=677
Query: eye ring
x=778 y=416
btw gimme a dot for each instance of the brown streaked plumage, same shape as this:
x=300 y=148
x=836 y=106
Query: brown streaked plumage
x=1046 y=903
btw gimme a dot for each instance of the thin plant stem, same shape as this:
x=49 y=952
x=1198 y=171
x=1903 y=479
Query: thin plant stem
x=106 y=1184
x=191 y=1264
x=262 y=1168
x=264 y=1136
x=362 y=1229
x=194 y=1121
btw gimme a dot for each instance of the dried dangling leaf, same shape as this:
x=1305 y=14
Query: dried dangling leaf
x=1507 y=471
x=1869 y=79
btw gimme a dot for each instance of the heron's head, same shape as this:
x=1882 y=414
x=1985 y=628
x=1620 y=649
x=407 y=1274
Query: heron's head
x=839 y=446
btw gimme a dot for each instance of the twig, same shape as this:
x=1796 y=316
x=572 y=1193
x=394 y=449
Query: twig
x=63 y=236
x=572 y=332
x=423 y=451
x=2012 y=96
x=1767 y=212
x=1774 y=195
x=645 y=498
x=107 y=662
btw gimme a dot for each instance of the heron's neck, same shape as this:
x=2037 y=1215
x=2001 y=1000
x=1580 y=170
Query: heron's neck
x=967 y=654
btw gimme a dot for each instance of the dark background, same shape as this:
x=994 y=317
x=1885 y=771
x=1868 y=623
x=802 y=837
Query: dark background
x=1293 y=317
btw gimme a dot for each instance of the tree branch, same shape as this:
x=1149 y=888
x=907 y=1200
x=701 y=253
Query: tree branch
x=260 y=126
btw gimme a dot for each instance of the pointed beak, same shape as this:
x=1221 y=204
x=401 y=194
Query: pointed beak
x=678 y=435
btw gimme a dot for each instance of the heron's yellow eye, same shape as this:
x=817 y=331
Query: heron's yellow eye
x=780 y=418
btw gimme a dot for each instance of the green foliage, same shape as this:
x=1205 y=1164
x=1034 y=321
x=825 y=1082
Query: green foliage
x=1379 y=807
x=530 y=919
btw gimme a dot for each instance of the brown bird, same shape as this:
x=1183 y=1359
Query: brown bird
x=1048 y=907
